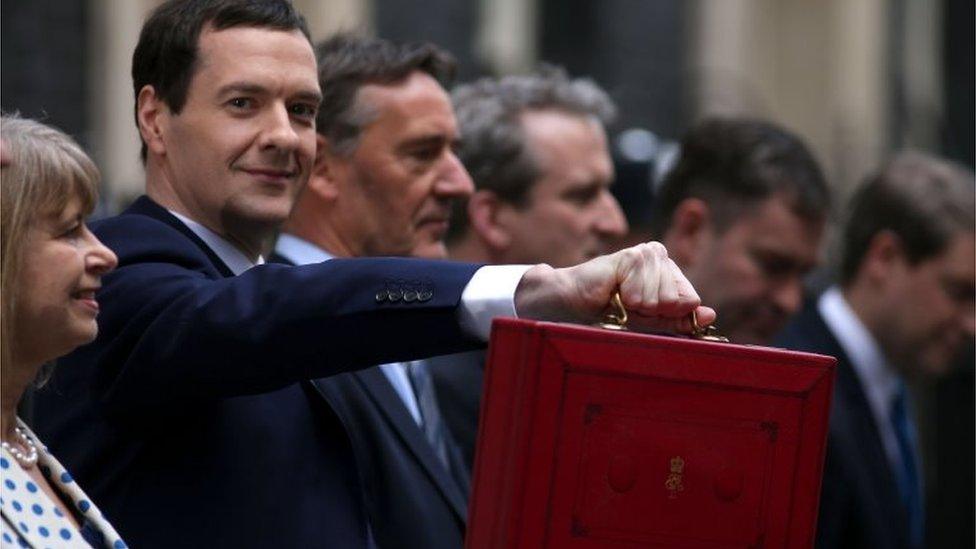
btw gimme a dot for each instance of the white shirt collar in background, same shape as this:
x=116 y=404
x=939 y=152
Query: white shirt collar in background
x=878 y=379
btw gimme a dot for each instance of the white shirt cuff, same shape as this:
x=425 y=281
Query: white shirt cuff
x=489 y=293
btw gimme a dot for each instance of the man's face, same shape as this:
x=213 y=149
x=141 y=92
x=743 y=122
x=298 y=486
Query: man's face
x=395 y=190
x=931 y=309
x=570 y=215
x=752 y=273
x=240 y=150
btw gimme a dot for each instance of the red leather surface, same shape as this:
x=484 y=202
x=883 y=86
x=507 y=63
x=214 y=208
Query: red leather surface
x=592 y=438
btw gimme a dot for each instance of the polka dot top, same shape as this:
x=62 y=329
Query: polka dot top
x=31 y=519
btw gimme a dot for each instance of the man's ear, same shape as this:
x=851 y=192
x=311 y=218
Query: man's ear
x=484 y=211
x=688 y=234
x=322 y=180
x=152 y=114
x=884 y=254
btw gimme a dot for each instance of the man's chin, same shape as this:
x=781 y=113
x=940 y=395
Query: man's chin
x=431 y=250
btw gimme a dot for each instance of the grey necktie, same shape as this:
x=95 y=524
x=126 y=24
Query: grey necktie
x=431 y=422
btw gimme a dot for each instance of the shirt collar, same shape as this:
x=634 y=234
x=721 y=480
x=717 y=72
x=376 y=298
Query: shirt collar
x=299 y=250
x=235 y=260
x=878 y=378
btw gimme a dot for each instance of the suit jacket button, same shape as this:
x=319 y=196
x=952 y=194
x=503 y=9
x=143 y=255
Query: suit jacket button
x=425 y=295
x=409 y=296
x=381 y=296
x=395 y=295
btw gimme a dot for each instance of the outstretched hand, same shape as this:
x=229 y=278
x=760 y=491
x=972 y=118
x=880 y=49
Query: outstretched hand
x=655 y=293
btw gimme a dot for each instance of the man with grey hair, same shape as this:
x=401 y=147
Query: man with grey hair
x=536 y=148
x=903 y=308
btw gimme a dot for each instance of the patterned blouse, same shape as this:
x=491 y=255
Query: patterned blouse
x=31 y=519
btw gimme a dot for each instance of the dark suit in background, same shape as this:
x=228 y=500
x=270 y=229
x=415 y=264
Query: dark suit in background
x=412 y=500
x=188 y=419
x=860 y=505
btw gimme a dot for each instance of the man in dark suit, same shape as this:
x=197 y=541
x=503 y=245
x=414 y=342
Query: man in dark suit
x=188 y=419
x=537 y=148
x=904 y=307
x=382 y=185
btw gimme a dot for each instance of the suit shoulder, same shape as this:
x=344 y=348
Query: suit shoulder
x=137 y=238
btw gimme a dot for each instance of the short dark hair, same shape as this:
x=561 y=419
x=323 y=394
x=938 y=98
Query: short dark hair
x=166 y=55
x=923 y=200
x=733 y=164
x=348 y=62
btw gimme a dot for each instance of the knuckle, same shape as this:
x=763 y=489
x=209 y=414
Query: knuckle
x=657 y=249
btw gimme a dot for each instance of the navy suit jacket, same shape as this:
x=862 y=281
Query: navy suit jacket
x=188 y=419
x=860 y=505
x=412 y=500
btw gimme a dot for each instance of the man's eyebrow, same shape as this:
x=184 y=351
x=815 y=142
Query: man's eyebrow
x=251 y=88
x=242 y=87
x=425 y=140
x=309 y=95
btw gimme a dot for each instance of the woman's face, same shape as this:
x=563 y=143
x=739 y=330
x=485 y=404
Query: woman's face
x=60 y=274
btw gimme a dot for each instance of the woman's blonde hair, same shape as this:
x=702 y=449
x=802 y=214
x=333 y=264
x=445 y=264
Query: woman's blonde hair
x=46 y=170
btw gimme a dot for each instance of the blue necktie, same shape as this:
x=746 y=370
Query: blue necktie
x=909 y=483
x=432 y=423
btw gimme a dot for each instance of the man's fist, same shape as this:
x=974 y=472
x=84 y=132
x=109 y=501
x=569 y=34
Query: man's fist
x=655 y=293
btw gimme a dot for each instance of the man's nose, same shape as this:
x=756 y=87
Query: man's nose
x=454 y=180
x=279 y=130
x=967 y=320
x=611 y=222
x=788 y=294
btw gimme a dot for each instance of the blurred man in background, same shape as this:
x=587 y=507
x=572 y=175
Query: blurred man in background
x=742 y=213
x=904 y=307
x=536 y=148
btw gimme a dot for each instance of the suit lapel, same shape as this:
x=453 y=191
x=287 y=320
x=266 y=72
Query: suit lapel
x=377 y=386
x=389 y=403
x=852 y=401
x=145 y=206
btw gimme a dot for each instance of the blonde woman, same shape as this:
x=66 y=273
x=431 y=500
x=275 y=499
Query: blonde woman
x=51 y=269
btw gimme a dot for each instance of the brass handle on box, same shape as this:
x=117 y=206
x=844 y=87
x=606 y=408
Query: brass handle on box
x=616 y=319
x=705 y=333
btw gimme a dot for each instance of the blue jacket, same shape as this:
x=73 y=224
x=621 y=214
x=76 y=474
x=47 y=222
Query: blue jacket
x=189 y=420
x=412 y=499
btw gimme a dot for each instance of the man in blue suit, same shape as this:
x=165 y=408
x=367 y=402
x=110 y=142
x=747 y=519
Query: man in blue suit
x=903 y=308
x=189 y=419
x=383 y=185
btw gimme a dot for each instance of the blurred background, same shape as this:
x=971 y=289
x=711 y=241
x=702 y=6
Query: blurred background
x=857 y=79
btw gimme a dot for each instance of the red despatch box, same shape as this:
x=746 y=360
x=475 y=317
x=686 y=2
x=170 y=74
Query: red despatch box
x=595 y=438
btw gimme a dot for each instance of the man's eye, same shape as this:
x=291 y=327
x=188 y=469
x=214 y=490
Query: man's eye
x=583 y=196
x=426 y=154
x=241 y=103
x=304 y=110
x=959 y=292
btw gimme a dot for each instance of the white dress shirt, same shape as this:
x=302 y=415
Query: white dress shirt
x=878 y=379
x=235 y=259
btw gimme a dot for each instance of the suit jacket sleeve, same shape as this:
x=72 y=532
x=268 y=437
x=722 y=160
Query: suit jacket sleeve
x=172 y=327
